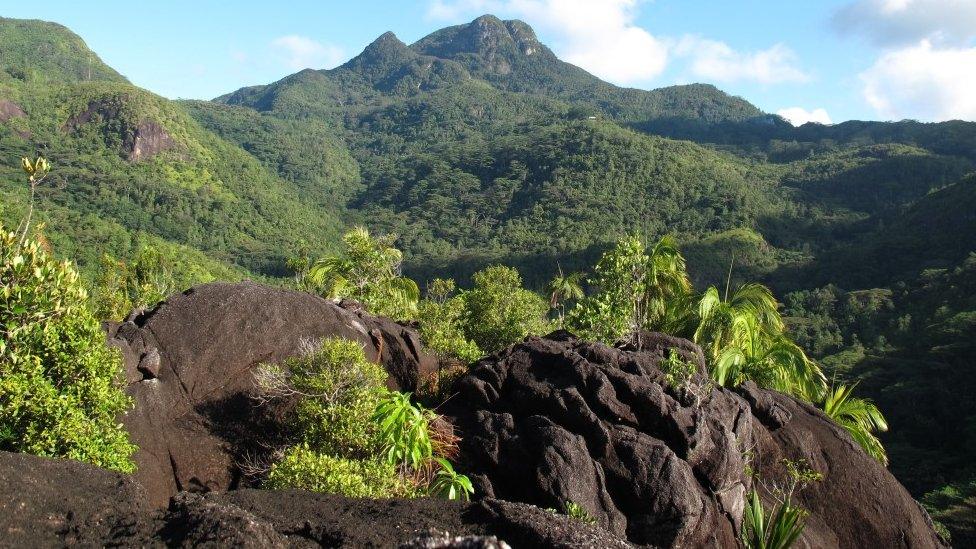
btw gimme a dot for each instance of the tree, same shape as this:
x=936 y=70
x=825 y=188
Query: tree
x=499 y=311
x=368 y=270
x=743 y=336
x=860 y=417
x=770 y=360
x=123 y=286
x=60 y=385
x=441 y=317
x=564 y=288
x=720 y=321
x=636 y=291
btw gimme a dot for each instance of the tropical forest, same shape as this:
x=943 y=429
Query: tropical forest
x=461 y=292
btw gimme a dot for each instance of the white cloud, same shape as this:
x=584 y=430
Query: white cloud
x=799 y=116
x=923 y=82
x=598 y=35
x=904 y=22
x=300 y=52
x=602 y=37
x=714 y=60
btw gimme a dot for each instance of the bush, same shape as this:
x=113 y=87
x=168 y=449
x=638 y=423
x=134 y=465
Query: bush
x=404 y=431
x=579 y=513
x=500 y=311
x=449 y=484
x=60 y=387
x=779 y=529
x=441 y=318
x=338 y=390
x=306 y=469
x=351 y=435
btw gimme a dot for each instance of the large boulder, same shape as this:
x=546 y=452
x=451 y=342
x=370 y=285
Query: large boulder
x=57 y=503
x=189 y=364
x=555 y=419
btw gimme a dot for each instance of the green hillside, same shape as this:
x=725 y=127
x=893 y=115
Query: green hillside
x=37 y=51
x=127 y=159
x=477 y=145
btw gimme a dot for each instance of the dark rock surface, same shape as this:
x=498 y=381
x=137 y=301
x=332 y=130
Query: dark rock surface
x=555 y=419
x=189 y=365
x=54 y=503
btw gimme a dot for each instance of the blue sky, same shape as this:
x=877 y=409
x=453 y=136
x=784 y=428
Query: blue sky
x=854 y=59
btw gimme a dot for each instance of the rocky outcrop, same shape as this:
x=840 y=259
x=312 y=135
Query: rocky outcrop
x=189 y=365
x=10 y=110
x=56 y=503
x=556 y=419
x=148 y=139
x=139 y=140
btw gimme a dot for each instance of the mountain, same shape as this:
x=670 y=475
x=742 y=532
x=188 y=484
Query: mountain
x=133 y=169
x=477 y=145
x=32 y=50
x=507 y=56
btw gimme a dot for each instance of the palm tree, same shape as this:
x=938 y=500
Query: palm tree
x=721 y=320
x=667 y=289
x=771 y=360
x=860 y=417
x=564 y=288
x=369 y=270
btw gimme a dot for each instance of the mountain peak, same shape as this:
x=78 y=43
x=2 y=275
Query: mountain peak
x=40 y=49
x=380 y=53
x=486 y=35
x=387 y=44
x=386 y=39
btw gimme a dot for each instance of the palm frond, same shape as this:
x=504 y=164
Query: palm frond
x=860 y=417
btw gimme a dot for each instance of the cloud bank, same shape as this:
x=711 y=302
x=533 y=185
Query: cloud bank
x=927 y=68
x=799 y=116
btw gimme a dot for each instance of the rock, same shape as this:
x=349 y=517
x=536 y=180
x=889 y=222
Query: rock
x=189 y=365
x=149 y=364
x=54 y=503
x=148 y=139
x=139 y=139
x=10 y=110
x=444 y=540
x=555 y=419
x=859 y=503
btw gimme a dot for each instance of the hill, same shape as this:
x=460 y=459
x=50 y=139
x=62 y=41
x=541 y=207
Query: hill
x=39 y=51
x=133 y=168
x=477 y=145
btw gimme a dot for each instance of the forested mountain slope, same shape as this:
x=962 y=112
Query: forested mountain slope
x=477 y=145
x=134 y=168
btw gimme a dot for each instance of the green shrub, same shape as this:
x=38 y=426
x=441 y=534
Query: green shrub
x=441 y=317
x=500 y=311
x=577 y=512
x=404 y=431
x=338 y=390
x=60 y=387
x=449 y=484
x=306 y=469
x=777 y=530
